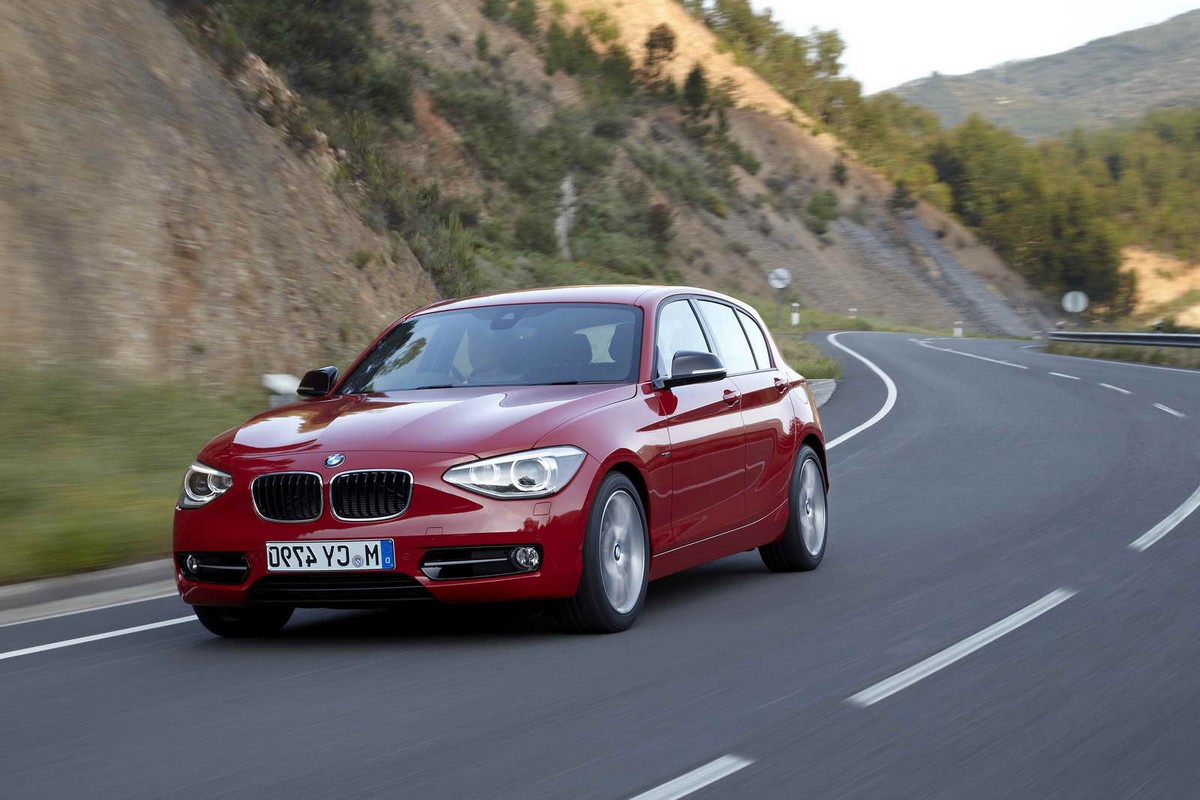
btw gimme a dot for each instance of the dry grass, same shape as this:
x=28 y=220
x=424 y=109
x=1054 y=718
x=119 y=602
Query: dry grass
x=1166 y=286
x=1166 y=356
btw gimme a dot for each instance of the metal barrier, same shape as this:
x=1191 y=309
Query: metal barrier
x=1115 y=337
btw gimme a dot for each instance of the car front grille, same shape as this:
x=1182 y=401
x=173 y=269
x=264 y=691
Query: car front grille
x=370 y=494
x=287 y=496
x=338 y=590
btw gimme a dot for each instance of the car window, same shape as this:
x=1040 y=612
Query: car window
x=758 y=342
x=512 y=345
x=678 y=329
x=732 y=346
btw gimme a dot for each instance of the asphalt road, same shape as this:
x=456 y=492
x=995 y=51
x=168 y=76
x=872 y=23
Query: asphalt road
x=981 y=627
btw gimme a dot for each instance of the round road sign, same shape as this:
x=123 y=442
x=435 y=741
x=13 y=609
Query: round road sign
x=780 y=278
x=1074 y=302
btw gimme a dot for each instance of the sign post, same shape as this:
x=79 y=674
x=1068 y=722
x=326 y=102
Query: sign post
x=779 y=279
x=1074 y=303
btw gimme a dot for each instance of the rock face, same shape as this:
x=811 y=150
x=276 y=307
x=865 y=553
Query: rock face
x=152 y=223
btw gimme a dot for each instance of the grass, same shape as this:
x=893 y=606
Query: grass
x=805 y=357
x=99 y=467
x=811 y=319
x=1164 y=356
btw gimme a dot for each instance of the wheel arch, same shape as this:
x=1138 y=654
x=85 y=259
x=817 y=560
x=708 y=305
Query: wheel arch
x=629 y=470
x=814 y=441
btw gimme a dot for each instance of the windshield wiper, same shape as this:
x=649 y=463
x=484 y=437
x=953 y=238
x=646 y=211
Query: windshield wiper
x=437 y=386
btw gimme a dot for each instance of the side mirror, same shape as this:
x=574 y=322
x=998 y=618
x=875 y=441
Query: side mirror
x=318 y=382
x=688 y=367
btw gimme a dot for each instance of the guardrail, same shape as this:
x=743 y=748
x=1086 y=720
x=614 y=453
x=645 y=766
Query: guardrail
x=1115 y=337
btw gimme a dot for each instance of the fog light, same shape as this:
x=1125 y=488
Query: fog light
x=526 y=558
x=192 y=564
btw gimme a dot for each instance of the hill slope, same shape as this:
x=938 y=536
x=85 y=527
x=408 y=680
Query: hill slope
x=153 y=224
x=866 y=258
x=1115 y=79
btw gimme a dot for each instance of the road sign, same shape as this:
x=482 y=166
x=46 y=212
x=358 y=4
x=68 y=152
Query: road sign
x=780 y=278
x=1074 y=302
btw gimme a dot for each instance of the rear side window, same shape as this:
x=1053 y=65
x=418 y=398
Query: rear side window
x=732 y=345
x=758 y=342
x=678 y=329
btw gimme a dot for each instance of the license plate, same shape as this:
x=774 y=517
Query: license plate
x=348 y=556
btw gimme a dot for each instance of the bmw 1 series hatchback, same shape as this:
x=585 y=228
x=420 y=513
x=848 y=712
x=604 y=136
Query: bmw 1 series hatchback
x=565 y=444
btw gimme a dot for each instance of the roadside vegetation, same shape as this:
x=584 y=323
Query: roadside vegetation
x=1164 y=356
x=1057 y=211
x=100 y=466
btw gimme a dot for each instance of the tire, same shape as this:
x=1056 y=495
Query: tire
x=616 y=561
x=802 y=545
x=244 y=622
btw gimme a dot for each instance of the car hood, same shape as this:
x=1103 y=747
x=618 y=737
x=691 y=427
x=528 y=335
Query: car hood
x=479 y=421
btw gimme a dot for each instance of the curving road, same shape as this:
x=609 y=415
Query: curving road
x=982 y=626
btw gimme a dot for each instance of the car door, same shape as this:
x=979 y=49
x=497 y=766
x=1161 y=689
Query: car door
x=704 y=425
x=766 y=409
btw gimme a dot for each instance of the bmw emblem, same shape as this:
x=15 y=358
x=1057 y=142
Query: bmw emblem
x=335 y=460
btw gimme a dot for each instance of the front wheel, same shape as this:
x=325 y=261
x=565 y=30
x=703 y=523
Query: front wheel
x=803 y=543
x=243 y=622
x=616 y=561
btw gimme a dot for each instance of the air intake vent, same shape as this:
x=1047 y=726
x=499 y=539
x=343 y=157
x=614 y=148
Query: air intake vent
x=338 y=590
x=370 y=494
x=287 y=496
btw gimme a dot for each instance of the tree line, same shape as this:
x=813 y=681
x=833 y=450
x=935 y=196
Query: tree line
x=1058 y=211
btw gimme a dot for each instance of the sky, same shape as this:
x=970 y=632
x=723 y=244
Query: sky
x=889 y=42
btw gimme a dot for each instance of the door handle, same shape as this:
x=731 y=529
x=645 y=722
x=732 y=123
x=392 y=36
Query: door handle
x=781 y=385
x=730 y=397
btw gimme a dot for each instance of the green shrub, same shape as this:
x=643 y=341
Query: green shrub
x=524 y=17
x=602 y=25
x=822 y=209
x=839 y=172
x=326 y=48
x=534 y=231
x=495 y=9
x=448 y=254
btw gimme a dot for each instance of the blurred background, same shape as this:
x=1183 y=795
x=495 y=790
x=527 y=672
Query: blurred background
x=197 y=192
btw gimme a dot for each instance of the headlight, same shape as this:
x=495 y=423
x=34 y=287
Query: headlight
x=535 y=473
x=203 y=484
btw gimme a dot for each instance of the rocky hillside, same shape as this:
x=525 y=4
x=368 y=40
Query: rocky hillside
x=862 y=256
x=1111 y=80
x=170 y=208
x=153 y=224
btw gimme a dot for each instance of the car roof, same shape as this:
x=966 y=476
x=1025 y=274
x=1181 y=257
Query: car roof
x=627 y=294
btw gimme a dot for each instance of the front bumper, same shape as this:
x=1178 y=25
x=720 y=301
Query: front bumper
x=439 y=516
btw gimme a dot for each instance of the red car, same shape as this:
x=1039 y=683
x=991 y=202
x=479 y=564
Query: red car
x=562 y=444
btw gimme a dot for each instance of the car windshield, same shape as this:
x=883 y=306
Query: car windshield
x=513 y=345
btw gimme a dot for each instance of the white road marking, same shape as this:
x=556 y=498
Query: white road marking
x=1169 y=410
x=1064 y=375
x=75 y=611
x=968 y=355
x=1167 y=525
x=697 y=779
x=887 y=404
x=951 y=654
x=42 y=648
x=1116 y=388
